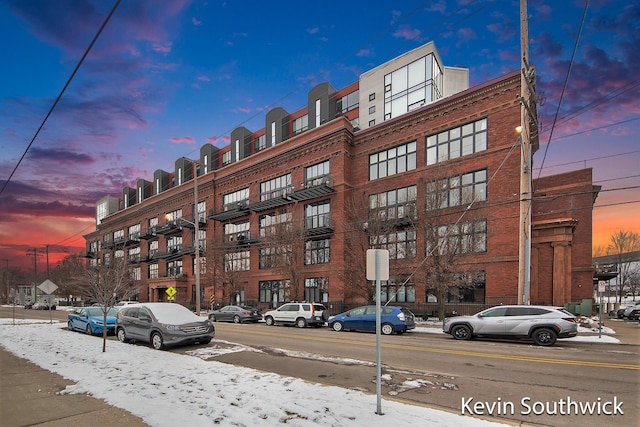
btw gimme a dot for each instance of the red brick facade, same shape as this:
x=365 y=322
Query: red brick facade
x=561 y=208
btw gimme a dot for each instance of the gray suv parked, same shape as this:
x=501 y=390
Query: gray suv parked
x=162 y=325
x=542 y=324
x=300 y=314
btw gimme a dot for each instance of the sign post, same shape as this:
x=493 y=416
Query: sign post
x=48 y=287
x=171 y=293
x=601 y=287
x=378 y=269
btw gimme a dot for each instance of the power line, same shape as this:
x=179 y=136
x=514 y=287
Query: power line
x=55 y=103
x=564 y=87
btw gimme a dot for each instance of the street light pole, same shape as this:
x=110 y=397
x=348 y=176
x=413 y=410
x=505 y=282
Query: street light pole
x=196 y=223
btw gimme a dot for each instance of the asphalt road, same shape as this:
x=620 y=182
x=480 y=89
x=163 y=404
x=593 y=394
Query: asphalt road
x=503 y=380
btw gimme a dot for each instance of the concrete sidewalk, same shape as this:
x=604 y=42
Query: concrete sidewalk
x=29 y=394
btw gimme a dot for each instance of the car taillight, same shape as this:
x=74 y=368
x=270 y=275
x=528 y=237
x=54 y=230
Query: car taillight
x=401 y=316
x=570 y=319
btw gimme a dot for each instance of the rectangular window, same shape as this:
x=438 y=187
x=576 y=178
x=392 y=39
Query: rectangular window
x=470 y=288
x=394 y=204
x=274 y=292
x=300 y=124
x=118 y=236
x=396 y=290
x=273 y=134
x=260 y=142
x=316 y=289
x=268 y=257
x=271 y=223
x=226 y=158
x=392 y=161
x=318 y=113
x=134 y=233
x=317 y=174
x=134 y=254
x=317 y=252
x=174 y=268
x=318 y=215
x=372 y=109
x=372 y=96
x=153 y=248
x=412 y=86
x=276 y=187
x=457 y=190
x=237 y=261
x=153 y=271
x=173 y=216
x=238 y=232
x=136 y=273
x=350 y=102
x=456 y=142
x=462 y=238
x=231 y=200
x=174 y=244
x=400 y=244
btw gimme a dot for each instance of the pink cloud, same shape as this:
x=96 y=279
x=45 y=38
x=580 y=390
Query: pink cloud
x=313 y=30
x=162 y=47
x=407 y=33
x=365 y=53
x=180 y=140
x=204 y=79
x=196 y=22
x=212 y=139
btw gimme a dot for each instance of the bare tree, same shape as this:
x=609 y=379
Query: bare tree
x=357 y=225
x=107 y=282
x=620 y=243
x=226 y=253
x=66 y=273
x=286 y=241
x=446 y=237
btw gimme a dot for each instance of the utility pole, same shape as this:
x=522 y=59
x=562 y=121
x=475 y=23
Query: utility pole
x=528 y=131
x=196 y=223
x=35 y=254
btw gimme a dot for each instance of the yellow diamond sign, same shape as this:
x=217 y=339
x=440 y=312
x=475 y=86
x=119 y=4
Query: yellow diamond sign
x=171 y=291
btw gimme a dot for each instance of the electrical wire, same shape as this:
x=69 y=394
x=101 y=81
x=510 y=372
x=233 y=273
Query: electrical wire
x=64 y=88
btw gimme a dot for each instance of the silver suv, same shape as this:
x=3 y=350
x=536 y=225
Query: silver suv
x=542 y=324
x=301 y=314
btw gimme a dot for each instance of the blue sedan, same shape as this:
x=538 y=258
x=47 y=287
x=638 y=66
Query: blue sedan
x=91 y=320
x=392 y=319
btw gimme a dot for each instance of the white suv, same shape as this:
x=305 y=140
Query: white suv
x=301 y=314
x=541 y=324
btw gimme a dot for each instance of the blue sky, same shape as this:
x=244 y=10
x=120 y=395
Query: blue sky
x=166 y=77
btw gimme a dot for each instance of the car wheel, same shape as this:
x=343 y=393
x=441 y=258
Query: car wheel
x=269 y=321
x=301 y=323
x=461 y=332
x=620 y=315
x=122 y=336
x=156 y=341
x=212 y=317
x=338 y=326
x=544 y=336
x=386 y=329
x=236 y=319
x=89 y=330
x=69 y=325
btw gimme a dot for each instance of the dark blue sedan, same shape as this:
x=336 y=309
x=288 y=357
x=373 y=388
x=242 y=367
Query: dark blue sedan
x=91 y=320
x=392 y=319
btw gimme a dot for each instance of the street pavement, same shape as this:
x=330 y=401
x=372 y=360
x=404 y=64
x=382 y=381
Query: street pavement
x=29 y=395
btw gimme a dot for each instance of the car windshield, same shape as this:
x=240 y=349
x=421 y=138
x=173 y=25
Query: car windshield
x=173 y=314
x=97 y=311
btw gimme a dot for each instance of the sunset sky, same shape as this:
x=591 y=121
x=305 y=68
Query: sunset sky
x=166 y=77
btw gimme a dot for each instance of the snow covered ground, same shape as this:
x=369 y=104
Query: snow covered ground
x=165 y=388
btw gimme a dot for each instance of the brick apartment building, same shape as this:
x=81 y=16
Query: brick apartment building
x=408 y=159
